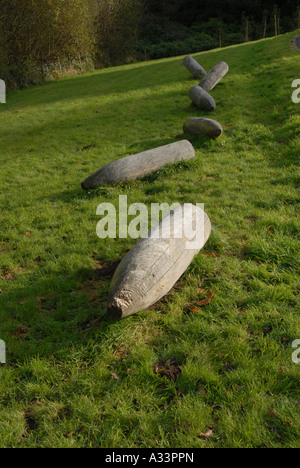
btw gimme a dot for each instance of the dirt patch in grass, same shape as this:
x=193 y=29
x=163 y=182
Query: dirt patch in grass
x=105 y=271
x=30 y=420
x=170 y=369
x=22 y=331
x=101 y=272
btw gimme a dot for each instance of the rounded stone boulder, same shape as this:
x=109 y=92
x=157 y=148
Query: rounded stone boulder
x=202 y=99
x=151 y=269
x=139 y=165
x=193 y=67
x=201 y=126
x=211 y=80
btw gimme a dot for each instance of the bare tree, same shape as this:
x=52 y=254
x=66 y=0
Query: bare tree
x=117 y=29
x=247 y=30
x=265 y=18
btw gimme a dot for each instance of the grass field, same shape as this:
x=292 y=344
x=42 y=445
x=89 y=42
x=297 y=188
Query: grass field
x=164 y=377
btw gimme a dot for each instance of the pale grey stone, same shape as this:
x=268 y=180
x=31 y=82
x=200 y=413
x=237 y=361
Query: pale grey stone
x=193 y=67
x=211 y=80
x=202 y=126
x=202 y=99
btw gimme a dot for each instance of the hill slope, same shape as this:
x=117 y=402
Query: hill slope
x=75 y=379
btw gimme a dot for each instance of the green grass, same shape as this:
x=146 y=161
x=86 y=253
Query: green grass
x=59 y=387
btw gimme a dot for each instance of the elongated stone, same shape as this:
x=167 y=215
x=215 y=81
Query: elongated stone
x=150 y=270
x=141 y=164
x=201 y=126
x=211 y=80
x=193 y=67
x=202 y=99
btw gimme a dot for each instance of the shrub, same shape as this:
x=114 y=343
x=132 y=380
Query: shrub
x=234 y=38
x=195 y=43
x=36 y=33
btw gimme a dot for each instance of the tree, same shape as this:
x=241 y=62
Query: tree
x=265 y=19
x=117 y=25
x=45 y=30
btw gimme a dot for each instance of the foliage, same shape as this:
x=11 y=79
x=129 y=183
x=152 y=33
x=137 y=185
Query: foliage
x=45 y=30
x=116 y=30
x=195 y=43
x=34 y=33
x=42 y=39
x=224 y=21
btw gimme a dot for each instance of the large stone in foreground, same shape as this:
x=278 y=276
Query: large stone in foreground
x=201 y=126
x=202 y=99
x=211 y=80
x=193 y=67
x=141 y=164
x=150 y=270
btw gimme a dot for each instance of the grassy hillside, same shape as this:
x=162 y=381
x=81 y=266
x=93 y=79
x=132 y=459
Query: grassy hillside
x=73 y=378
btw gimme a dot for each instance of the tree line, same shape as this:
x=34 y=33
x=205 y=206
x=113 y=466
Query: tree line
x=185 y=26
x=43 y=38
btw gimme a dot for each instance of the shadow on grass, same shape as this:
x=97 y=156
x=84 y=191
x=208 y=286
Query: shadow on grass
x=112 y=117
x=56 y=312
x=198 y=142
x=101 y=82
